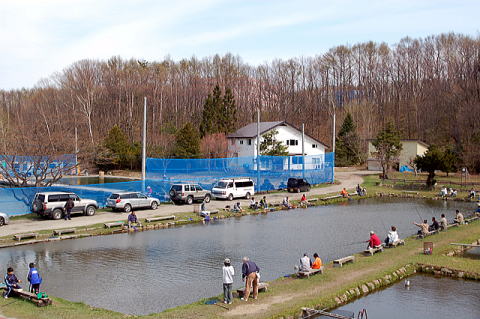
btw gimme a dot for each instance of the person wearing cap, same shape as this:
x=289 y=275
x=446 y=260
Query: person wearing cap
x=374 y=241
x=228 y=273
x=250 y=275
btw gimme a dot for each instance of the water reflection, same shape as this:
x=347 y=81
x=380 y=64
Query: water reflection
x=427 y=297
x=148 y=272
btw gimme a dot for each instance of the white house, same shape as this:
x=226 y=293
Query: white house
x=243 y=143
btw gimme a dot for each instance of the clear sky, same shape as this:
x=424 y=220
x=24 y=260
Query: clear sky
x=40 y=37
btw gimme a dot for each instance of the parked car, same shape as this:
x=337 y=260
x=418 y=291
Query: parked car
x=4 y=220
x=128 y=201
x=188 y=193
x=297 y=185
x=234 y=188
x=51 y=204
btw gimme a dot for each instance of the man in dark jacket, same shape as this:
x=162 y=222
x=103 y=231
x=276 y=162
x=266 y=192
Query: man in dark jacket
x=68 y=208
x=435 y=225
x=250 y=275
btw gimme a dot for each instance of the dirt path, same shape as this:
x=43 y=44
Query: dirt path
x=347 y=179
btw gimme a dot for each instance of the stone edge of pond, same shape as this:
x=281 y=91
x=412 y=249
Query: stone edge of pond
x=99 y=231
x=353 y=293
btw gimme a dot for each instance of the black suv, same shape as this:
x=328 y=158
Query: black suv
x=297 y=185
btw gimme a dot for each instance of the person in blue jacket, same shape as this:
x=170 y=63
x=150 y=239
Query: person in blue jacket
x=11 y=281
x=34 y=278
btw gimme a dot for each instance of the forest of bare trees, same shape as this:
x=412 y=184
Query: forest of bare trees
x=429 y=88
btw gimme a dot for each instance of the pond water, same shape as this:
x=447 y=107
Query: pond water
x=87 y=180
x=427 y=297
x=151 y=271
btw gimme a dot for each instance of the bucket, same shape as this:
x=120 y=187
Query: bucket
x=427 y=248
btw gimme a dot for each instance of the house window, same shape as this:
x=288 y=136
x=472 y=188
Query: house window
x=314 y=145
x=292 y=142
x=241 y=142
x=249 y=141
x=297 y=160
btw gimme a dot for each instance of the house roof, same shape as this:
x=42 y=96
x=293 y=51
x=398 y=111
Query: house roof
x=250 y=130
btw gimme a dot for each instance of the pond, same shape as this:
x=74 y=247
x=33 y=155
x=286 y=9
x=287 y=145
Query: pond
x=88 y=180
x=426 y=297
x=151 y=271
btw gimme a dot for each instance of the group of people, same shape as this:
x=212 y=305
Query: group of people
x=13 y=283
x=442 y=224
x=306 y=263
x=448 y=192
x=256 y=205
x=361 y=191
x=250 y=274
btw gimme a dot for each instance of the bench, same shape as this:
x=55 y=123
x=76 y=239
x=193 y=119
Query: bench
x=159 y=218
x=25 y=236
x=399 y=242
x=262 y=287
x=430 y=233
x=371 y=251
x=58 y=232
x=452 y=225
x=331 y=197
x=114 y=224
x=311 y=272
x=339 y=262
x=313 y=200
x=29 y=296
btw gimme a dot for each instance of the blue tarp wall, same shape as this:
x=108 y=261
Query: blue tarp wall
x=273 y=173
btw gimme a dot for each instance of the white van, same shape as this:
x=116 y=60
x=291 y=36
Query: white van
x=234 y=188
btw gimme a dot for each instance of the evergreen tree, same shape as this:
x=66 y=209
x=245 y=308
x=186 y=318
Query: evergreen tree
x=449 y=161
x=229 y=112
x=429 y=162
x=271 y=147
x=347 y=152
x=117 y=151
x=388 y=146
x=219 y=113
x=187 y=142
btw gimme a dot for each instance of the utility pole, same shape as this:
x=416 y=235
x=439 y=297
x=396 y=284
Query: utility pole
x=144 y=139
x=303 y=150
x=258 y=149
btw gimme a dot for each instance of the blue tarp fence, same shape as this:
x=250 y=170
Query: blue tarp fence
x=272 y=173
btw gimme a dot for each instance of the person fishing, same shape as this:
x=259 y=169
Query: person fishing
x=392 y=236
x=443 y=222
x=434 y=226
x=317 y=262
x=34 y=279
x=228 y=273
x=133 y=220
x=303 y=200
x=11 y=282
x=344 y=193
x=423 y=228
x=374 y=241
x=305 y=263
x=459 y=219
x=251 y=277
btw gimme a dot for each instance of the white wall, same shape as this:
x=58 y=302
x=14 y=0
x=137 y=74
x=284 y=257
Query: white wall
x=241 y=148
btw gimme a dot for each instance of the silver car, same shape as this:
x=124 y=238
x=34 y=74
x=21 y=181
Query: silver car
x=131 y=200
x=4 y=219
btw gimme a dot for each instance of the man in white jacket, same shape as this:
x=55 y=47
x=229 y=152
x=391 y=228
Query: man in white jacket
x=228 y=273
x=305 y=263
